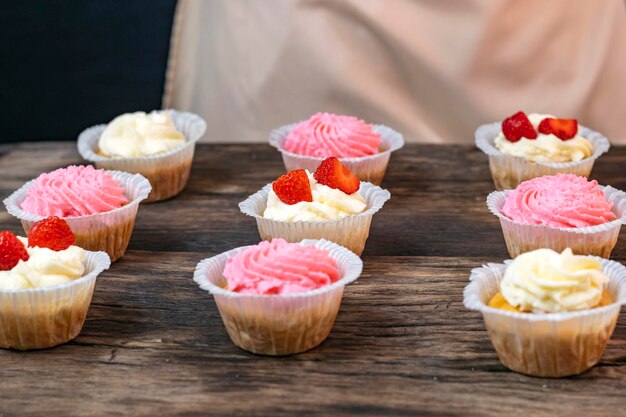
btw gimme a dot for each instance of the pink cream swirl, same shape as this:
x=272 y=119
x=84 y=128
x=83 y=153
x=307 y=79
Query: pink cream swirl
x=74 y=191
x=279 y=267
x=325 y=134
x=562 y=200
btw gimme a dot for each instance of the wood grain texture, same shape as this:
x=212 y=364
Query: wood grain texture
x=403 y=344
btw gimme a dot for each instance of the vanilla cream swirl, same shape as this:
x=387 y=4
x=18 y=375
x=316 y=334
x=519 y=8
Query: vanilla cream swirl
x=328 y=204
x=545 y=281
x=136 y=135
x=545 y=148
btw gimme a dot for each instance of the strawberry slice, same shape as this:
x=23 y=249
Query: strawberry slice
x=563 y=129
x=518 y=126
x=11 y=251
x=334 y=175
x=52 y=233
x=293 y=187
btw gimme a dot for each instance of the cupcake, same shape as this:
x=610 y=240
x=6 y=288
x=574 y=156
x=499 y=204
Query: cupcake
x=560 y=211
x=46 y=284
x=159 y=145
x=100 y=206
x=279 y=298
x=524 y=147
x=363 y=148
x=331 y=204
x=549 y=314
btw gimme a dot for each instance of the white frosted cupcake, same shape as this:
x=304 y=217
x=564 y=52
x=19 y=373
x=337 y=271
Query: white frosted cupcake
x=159 y=145
x=524 y=147
x=363 y=148
x=279 y=298
x=549 y=314
x=331 y=204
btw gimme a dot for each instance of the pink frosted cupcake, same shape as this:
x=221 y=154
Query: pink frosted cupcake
x=560 y=211
x=279 y=298
x=100 y=206
x=365 y=149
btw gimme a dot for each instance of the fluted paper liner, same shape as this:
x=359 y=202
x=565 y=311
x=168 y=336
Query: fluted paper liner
x=368 y=168
x=509 y=171
x=547 y=344
x=167 y=172
x=593 y=240
x=40 y=318
x=350 y=231
x=279 y=324
x=108 y=232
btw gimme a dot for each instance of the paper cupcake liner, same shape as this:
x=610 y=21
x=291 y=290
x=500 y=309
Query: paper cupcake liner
x=108 y=232
x=368 y=168
x=546 y=345
x=509 y=171
x=40 y=318
x=350 y=231
x=593 y=240
x=167 y=172
x=278 y=324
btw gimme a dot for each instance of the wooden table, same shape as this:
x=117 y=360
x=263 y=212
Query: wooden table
x=403 y=344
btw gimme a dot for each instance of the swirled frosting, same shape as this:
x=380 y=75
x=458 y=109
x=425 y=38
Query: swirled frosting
x=561 y=200
x=547 y=281
x=136 y=135
x=278 y=267
x=545 y=148
x=44 y=268
x=328 y=204
x=74 y=191
x=325 y=134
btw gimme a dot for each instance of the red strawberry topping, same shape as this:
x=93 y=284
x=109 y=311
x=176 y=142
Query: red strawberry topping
x=518 y=126
x=52 y=233
x=11 y=251
x=563 y=129
x=334 y=175
x=293 y=187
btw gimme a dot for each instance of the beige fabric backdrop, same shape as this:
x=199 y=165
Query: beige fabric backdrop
x=433 y=70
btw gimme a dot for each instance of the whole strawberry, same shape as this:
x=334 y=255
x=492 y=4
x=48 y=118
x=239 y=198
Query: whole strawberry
x=518 y=126
x=293 y=187
x=11 y=251
x=52 y=233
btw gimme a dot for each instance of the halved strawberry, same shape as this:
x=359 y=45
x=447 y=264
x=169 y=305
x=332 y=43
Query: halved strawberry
x=334 y=175
x=293 y=187
x=518 y=126
x=11 y=251
x=563 y=129
x=52 y=233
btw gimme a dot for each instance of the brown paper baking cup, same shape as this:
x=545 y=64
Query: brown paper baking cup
x=167 y=172
x=368 y=168
x=547 y=344
x=349 y=231
x=509 y=171
x=40 y=318
x=108 y=232
x=279 y=324
x=593 y=240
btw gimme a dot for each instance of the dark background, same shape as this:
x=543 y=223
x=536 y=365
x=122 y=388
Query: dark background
x=66 y=65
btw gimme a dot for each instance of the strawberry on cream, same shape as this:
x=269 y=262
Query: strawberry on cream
x=562 y=200
x=278 y=268
x=74 y=191
x=326 y=134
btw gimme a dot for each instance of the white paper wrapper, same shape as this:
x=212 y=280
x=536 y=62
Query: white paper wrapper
x=350 y=231
x=279 y=324
x=167 y=172
x=40 y=318
x=593 y=240
x=108 y=232
x=546 y=345
x=508 y=170
x=367 y=168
